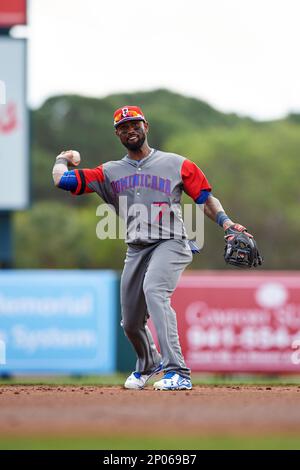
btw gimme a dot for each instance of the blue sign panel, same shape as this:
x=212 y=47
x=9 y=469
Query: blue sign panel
x=58 y=321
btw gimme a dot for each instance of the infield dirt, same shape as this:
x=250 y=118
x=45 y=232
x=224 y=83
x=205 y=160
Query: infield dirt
x=231 y=410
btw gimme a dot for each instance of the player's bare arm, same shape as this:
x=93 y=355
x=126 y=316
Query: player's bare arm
x=214 y=210
x=65 y=160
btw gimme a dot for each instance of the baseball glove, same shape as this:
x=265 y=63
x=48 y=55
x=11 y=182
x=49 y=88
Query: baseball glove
x=240 y=248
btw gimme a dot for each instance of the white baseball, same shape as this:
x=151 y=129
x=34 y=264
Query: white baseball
x=75 y=157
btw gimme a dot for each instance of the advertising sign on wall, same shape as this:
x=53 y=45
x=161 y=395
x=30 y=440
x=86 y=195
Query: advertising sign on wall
x=239 y=322
x=58 y=321
x=12 y=12
x=14 y=126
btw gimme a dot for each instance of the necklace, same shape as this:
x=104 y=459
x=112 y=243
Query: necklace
x=151 y=152
x=144 y=158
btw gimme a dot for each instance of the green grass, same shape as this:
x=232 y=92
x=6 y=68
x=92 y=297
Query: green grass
x=152 y=443
x=104 y=380
x=118 y=379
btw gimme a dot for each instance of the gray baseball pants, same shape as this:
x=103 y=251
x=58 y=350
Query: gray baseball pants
x=150 y=275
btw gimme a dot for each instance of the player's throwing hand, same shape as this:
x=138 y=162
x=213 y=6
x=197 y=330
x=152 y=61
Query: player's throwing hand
x=72 y=156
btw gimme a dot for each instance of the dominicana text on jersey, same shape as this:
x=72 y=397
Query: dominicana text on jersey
x=147 y=193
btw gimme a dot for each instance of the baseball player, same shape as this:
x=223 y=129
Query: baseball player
x=151 y=183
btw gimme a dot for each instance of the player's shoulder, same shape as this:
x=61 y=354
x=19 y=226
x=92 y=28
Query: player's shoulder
x=171 y=156
x=112 y=164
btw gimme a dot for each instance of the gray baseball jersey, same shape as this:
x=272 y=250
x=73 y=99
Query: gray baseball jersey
x=147 y=193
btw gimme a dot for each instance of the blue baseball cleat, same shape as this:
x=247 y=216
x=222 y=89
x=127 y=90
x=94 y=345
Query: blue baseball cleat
x=137 y=381
x=173 y=381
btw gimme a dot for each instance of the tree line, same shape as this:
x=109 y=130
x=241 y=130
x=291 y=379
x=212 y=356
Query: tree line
x=252 y=166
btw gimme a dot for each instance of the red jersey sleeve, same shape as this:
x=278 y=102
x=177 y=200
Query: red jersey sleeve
x=87 y=176
x=194 y=180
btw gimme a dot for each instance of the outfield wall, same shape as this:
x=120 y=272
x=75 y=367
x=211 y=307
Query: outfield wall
x=58 y=321
x=239 y=321
x=68 y=322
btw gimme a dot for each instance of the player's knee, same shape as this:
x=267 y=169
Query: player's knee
x=130 y=327
x=153 y=294
x=147 y=290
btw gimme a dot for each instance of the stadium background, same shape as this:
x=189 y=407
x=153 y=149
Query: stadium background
x=229 y=322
